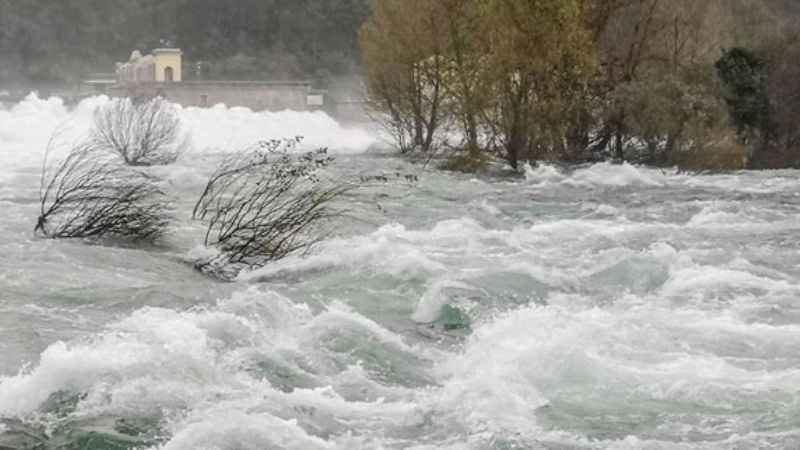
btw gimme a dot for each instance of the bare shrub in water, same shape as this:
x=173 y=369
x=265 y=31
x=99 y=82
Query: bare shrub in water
x=90 y=194
x=265 y=203
x=143 y=133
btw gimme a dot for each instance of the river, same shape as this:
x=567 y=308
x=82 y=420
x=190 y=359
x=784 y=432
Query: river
x=600 y=307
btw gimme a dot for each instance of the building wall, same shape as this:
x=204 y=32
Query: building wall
x=258 y=96
x=141 y=70
x=150 y=68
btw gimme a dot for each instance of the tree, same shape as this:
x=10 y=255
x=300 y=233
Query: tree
x=495 y=68
x=403 y=49
x=90 y=195
x=658 y=79
x=784 y=102
x=263 y=204
x=465 y=90
x=744 y=80
x=143 y=133
x=537 y=52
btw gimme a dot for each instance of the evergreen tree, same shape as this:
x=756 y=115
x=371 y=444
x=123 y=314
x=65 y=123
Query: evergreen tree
x=744 y=79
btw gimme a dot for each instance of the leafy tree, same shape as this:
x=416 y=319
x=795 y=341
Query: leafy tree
x=657 y=80
x=403 y=49
x=744 y=80
x=491 y=67
x=784 y=93
x=465 y=87
x=537 y=51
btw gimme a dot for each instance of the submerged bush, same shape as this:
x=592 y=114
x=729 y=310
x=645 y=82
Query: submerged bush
x=265 y=203
x=467 y=162
x=717 y=150
x=90 y=194
x=143 y=133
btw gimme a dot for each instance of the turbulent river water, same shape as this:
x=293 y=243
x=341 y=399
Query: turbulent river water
x=604 y=307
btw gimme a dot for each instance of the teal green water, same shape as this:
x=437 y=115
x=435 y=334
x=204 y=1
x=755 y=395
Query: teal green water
x=611 y=307
x=607 y=307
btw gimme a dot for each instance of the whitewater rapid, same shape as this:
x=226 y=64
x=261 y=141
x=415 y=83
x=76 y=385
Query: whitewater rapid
x=600 y=307
x=26 y=128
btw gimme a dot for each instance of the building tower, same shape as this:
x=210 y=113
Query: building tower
x=168 y=63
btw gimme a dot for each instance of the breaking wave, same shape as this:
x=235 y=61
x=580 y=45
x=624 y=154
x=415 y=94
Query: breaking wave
x=26 y=128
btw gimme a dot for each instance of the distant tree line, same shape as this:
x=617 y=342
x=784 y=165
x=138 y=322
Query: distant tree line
x=60 y=41
x=695 y=83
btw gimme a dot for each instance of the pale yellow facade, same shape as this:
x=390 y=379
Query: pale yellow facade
x=163 y=66
x=159 y=74
x=168 y=62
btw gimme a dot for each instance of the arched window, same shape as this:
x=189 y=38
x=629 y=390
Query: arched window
x=169 y=74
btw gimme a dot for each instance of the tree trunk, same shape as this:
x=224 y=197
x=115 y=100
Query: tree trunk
x=619 y=149
x=419 y=132
x=472 y=132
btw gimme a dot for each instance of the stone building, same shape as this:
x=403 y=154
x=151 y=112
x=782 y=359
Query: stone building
x=159 y=74
x=163 y=66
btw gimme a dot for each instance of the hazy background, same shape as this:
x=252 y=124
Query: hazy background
x=46 y=42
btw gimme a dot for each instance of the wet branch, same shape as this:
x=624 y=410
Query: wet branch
x=88 y=195
x=267 y=202
x=145 y=133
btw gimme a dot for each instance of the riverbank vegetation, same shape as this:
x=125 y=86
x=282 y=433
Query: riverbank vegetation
x=695 y=83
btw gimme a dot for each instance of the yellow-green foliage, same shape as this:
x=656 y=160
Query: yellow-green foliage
x=402 y=46
x=540 y=53
x=490 y=67
x=715 y=150
x=561 y=79
x=467 y=162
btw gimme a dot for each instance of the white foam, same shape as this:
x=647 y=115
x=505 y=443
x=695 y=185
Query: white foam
x=489 y=208
x=431 y=303
x=711 y=217
x=699 y=280
x=618 y=360
x=601 y=174
x=615 y=175
x=25 y=128
x=607 y=210
x=233 y=128
x=752 y=182
x=191 y=367
x=543 y=173
x=391 y=249
x=226 y=429
x=150 y=343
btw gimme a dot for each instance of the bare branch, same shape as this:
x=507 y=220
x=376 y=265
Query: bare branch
x=88 y=194
x=265 y=203
x=146 y=133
